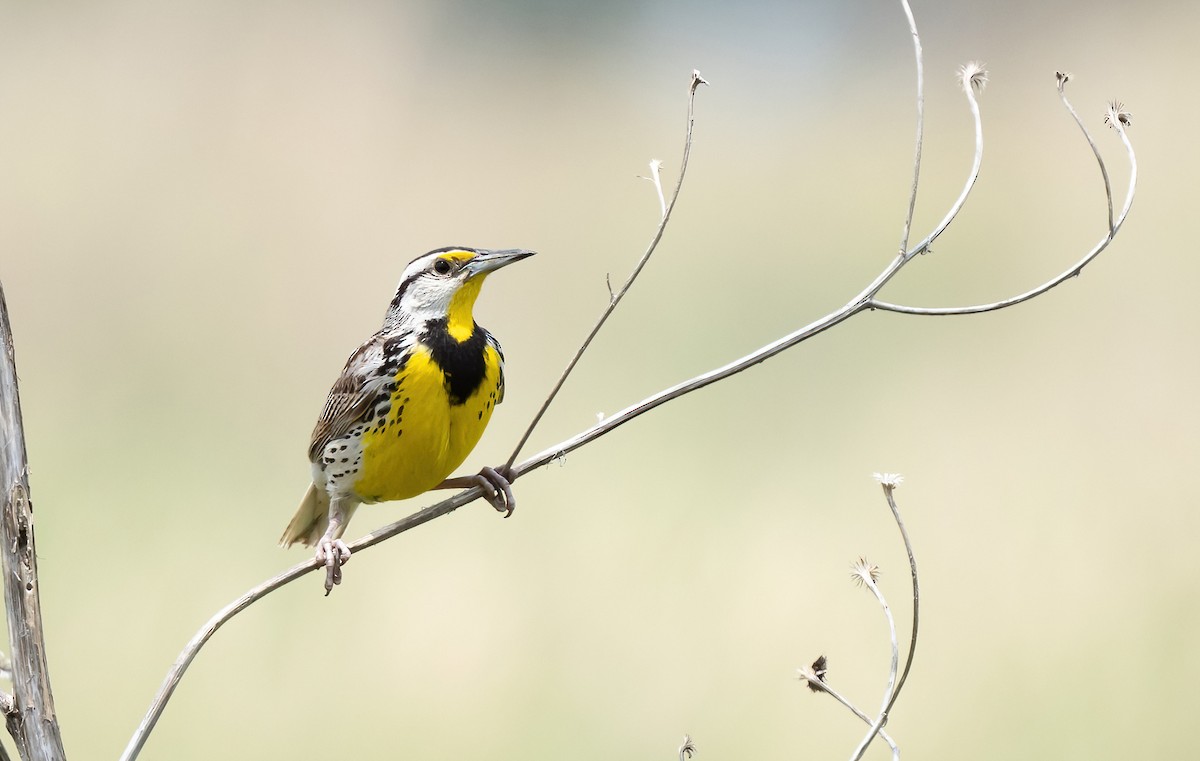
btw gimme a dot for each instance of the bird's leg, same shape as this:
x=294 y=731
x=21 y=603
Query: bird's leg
x=331 y=550
x=496 y=484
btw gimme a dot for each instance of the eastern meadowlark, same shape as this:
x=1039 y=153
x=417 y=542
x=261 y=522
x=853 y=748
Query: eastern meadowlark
x=410 y=404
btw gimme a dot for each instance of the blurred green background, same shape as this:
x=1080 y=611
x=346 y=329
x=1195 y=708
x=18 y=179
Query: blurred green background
x=205 y=207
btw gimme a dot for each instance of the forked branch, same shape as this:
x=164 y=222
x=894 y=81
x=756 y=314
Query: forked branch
x=1118 y=119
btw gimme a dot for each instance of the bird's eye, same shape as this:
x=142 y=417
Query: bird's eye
x=442 y=267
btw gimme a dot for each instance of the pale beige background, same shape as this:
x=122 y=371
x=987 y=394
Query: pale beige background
x=204 y=207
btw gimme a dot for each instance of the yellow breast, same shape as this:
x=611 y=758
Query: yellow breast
x=424 y=437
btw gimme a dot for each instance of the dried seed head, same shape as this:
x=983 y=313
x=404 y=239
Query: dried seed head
x=814 y=675
x=889 y=480
x=1117 y=115
x=688 y=749
x=973 y=75
x=863 y=571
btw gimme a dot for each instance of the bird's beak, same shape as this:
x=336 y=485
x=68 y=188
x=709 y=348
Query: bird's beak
x=486 y=261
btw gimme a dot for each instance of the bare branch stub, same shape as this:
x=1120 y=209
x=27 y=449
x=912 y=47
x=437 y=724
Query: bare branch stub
x=31 y=720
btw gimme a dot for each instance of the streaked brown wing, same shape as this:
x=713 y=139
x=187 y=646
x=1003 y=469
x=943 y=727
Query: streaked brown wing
x=347 y=403
x=348 y=400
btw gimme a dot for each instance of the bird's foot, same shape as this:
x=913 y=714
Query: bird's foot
x=497 y=488
x=333 y=554
x=496 y=484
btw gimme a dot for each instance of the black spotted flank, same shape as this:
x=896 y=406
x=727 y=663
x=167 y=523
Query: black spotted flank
x=463 y=362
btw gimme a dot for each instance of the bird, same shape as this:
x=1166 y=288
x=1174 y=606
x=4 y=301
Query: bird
x=410 y=404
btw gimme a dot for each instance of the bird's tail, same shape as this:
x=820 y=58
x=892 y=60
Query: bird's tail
x=310 y=521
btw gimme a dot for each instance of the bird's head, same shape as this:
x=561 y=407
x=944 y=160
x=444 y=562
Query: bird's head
x=444 y=284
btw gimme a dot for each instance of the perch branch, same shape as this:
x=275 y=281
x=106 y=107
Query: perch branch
x=193 y=648
x=30 y=714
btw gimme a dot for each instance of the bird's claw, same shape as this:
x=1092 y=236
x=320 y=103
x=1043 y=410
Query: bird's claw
x=497 y=488
x=333 y=554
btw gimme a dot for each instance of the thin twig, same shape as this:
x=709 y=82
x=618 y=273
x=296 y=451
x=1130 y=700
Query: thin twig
x=613 y=300
x=1120 y=125
x=912 y=196
x=32 y=721
x=1062 y=79
x=971 y=77
x=865 y=574
x=890 y=482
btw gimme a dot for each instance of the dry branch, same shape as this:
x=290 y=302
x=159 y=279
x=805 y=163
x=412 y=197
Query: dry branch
x=29 y=711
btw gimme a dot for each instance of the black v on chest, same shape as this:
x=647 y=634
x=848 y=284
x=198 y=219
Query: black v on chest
x=463 y=362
